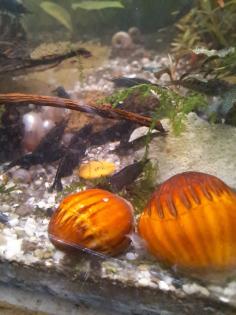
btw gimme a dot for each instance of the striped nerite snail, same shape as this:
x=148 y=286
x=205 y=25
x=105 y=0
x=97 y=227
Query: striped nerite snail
x=95 y=219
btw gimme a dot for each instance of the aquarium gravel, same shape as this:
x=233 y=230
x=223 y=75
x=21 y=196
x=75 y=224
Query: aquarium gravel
x=24 y=238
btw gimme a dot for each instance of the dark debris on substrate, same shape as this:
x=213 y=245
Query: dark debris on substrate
x=51 y=150
x=4 y=219
x=11 y=131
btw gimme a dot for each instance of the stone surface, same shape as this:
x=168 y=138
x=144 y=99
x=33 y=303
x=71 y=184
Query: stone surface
x=106 y=286
x=203 y=147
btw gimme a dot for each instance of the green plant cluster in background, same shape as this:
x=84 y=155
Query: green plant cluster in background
x=210 y=24
x=218 y=63
x=89 y=18
x=215 y=75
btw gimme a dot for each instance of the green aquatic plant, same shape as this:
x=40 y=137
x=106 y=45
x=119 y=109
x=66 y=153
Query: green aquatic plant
x=97 y=5
x=70 y=189
x=63 y=16
x=209 y=23
x=175 y=106
x=218 y=63
x=6 y=189
x=58 y=12
x=118 y=97
x=80 y=67
x=140 y=191
x=171 y=104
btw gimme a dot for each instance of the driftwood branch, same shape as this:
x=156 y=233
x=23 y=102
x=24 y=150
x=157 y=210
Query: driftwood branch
x=106 y=111
x=10 y=64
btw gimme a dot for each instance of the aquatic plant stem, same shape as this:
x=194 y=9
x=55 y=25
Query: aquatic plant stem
x=105 y=110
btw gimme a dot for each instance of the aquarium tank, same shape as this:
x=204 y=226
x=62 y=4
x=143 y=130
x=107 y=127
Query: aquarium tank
x=117 y=157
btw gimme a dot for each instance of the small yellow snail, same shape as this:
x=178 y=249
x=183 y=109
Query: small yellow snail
x=96 y=169
x=190 y=222
x=95 y=219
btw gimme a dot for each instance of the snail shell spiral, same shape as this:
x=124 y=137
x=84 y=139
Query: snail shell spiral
x=121 y=40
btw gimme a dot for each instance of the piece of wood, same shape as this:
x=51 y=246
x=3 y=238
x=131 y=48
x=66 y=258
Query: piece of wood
x=105 y=110
x=9 y=64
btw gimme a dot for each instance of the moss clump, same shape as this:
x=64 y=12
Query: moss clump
x=170 y=104
x=70 y=189
x=140 y=191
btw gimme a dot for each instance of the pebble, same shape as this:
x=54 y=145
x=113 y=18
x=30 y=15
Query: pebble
x=13 y=248
x=20 y=232
x=28 y=246
x=8 y=232
x=58 y=256
x=13 y=221
x=38 y=182
x=24 y=210
x=21 y=176
x=163 y=286
x=30 y=227
x=144 y=278
x=3 y=240
x=193 y=288
x=131 y=256
x=5 y=208
x=42 y=254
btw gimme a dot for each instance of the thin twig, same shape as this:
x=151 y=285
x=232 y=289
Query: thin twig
x=106 y=110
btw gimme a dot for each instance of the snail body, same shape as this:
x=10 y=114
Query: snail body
x=94 y=219
x=190 y=222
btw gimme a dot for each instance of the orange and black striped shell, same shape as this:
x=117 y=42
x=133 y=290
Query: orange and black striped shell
x=95 y=219
x=190 y=222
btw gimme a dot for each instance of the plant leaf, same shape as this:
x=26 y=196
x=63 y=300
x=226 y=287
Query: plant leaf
x=58 y=12
x=97 y=5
